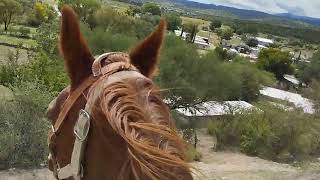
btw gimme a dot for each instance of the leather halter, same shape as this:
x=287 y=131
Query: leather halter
x=102 y=67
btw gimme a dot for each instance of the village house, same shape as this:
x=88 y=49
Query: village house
x=201 y=42
x=264 y=42
x=205 y=112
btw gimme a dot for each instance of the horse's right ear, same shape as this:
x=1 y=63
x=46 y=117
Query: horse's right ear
x=145 y=55
x=77 y=56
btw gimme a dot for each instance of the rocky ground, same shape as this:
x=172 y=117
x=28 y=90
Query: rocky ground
x=213 y=166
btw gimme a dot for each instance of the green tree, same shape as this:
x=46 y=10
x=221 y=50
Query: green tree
x=8 y=10
x=226 y=33
x=310 y=71
x=151 y=8
x=40 y=13
x=275 y=61
x=173 y=21
x=215 y=24
x=221 y=53
x=252 y=42
x=313 y=92
x=133 y=10
x=188 y=79
x=192 y=29
x=84 y=8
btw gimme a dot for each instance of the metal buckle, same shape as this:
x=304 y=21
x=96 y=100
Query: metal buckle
x=82 y=114
x=53 y=130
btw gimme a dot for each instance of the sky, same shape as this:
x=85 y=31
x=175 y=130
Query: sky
x=309 y=8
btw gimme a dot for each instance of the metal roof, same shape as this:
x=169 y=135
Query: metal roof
x=214 y=108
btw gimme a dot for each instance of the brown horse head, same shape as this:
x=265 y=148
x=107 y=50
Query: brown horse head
x=132 y=135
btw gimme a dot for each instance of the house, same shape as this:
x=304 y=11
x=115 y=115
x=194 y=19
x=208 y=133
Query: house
x=178 y=33
x=263 y=42
x=205 y=112
x=296 y=99
x=201 y=42
x=292 y=79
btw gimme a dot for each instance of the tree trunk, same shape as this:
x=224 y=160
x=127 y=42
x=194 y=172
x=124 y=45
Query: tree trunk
x=5 y=26
x=195 y=139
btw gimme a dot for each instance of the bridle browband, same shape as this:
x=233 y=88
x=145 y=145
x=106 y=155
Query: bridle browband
x=101 y=67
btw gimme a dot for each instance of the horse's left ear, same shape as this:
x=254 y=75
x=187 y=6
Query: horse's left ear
x=77 y=56
x=145 y=55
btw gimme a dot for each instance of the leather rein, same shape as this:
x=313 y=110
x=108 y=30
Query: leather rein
x=101 y=67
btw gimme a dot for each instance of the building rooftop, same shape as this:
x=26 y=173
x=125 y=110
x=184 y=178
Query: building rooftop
x=291 y=79
x=265 y=40
x=214 y=108
x=296 y=99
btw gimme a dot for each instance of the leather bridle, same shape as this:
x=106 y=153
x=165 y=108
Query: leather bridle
x=102 y=67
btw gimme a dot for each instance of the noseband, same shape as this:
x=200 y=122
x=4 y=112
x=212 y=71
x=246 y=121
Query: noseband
x=101 y=67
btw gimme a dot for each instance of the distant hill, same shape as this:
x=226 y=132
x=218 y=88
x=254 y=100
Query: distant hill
x=235 y=11
x=244 y=13
x=310 y=20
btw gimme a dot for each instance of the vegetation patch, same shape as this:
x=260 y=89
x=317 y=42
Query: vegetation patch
x=272 y=134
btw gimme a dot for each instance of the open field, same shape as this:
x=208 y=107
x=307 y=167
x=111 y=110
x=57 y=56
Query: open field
x=119 y=6
x=28 y=43
x=5 y=93
x=201 y=23
x=4 y=50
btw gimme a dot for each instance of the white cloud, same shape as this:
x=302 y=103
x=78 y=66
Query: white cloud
x=299 y=7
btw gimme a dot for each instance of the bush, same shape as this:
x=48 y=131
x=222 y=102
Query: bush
x=24 y=32
x=192 y=154
x=23 y=128
x=276 y=61
x=273 y=134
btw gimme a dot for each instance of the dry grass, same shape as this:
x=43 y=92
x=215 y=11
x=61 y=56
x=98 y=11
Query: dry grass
x=4 y=50
x=201 y=23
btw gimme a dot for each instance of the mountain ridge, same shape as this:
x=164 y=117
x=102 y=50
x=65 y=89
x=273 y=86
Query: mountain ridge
x=246 y=13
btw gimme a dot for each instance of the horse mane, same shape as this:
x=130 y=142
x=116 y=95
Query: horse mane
x=154 y=148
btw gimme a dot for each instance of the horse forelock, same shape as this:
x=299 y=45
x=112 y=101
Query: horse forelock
x=143 y=120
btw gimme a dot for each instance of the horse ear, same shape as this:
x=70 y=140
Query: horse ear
x=145 y=55
x=77 y=56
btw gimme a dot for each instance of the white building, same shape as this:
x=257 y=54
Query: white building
x=178 y=33
x=296 y=99
x=263 y=42
x=201 y=42
x=214 y=108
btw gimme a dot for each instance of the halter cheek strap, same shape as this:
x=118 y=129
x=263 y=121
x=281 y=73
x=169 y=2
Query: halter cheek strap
x=114 y=72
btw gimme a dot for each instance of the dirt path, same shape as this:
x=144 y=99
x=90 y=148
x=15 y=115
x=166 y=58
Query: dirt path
x=38 y=174
x=213 y=166
x=237 y=166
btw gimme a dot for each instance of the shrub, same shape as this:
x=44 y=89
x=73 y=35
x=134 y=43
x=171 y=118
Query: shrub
x=24 y=31
x=23 y=128
x=9 y=71
x=273 y=134
x=192 y=154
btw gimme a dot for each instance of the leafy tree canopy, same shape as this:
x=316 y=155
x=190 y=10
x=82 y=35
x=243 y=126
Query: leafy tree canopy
x=252 y=42
x=276 y=61
x=173 y=21
x=84 y=8
x=308 y=72
x=151 y=8
x=215 y=24
x=8 y=9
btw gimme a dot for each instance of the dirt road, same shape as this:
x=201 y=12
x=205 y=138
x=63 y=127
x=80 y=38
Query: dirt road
x=237 y=166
